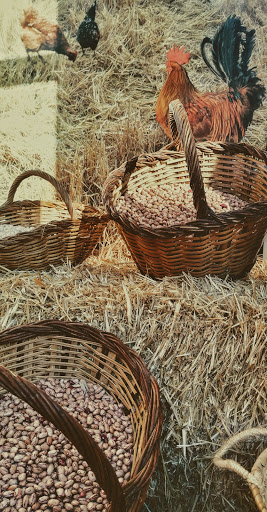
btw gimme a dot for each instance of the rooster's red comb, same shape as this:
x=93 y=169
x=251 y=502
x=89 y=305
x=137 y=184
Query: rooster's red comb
x=177 y=55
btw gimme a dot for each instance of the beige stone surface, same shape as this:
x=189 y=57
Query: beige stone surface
x=28 y=137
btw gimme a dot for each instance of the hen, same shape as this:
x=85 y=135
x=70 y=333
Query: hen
x=88 y=33
x=40 y=34
x=223 y=115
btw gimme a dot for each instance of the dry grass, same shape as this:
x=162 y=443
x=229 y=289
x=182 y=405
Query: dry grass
x=204 y=339
x=28 y=138
x=106 y=101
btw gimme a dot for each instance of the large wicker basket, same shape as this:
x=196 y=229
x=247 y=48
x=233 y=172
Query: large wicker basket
x=226 y=244
x=64 y=349
x=62 y=231
x=257 y=477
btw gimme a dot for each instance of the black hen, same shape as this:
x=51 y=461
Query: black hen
x=88 y=33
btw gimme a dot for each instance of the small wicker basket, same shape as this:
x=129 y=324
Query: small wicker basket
x=65 y=350
x=226 y=244
x=62 y=232
x=257 y=478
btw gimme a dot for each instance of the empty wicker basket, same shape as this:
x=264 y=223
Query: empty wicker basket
x=257 y=478
x=223 y=245
x=63 y=350
x=61 y=231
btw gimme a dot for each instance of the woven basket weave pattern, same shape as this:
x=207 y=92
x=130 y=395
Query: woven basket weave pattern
x=67 y=350
x=62 y=231
x=226 y=246
x=257 y=477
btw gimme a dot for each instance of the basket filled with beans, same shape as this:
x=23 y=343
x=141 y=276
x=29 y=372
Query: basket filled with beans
x=37 y=234
x=80 y=420
x=196 y=208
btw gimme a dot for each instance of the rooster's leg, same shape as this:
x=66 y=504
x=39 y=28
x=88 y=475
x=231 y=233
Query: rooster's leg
x=40 y=57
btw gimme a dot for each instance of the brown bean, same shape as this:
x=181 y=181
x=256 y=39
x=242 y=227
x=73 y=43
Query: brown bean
x=57 y=477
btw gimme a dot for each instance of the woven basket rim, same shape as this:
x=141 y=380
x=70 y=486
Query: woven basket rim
x=260 y=458
x=252 y=477
x=97 y=215
x=146 y=382
x=260 y=499
x=35 y=204
x=71 y=235
x=197 y=227
x=43 y=203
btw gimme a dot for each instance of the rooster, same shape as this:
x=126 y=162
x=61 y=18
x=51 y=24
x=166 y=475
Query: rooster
x=40 y=34
x=88 y=33
x=223 y=115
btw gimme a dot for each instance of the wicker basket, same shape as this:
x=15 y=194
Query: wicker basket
x=66 y=349
x=56 y=237
x=257 y=478
x=226 y=244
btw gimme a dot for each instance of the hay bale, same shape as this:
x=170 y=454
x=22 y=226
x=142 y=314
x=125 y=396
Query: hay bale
x=202 y=338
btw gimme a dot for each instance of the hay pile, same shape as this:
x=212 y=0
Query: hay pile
x=204 y=339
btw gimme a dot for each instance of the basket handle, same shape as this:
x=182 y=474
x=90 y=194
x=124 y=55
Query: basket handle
x=72 y=429
x=182 y=133
x=232 y=465
x=48 y=177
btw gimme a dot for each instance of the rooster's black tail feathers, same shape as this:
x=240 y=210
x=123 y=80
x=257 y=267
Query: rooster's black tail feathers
x=231 y=49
